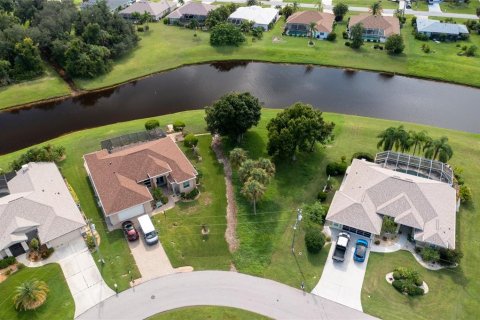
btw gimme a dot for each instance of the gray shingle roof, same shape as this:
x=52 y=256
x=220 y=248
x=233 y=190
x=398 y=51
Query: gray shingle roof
x=369 y=191
x=153 y=8
x=433 y=26
x=39 y=198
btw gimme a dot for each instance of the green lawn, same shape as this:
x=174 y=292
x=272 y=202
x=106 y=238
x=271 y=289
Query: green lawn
x=207 y=312
x=468 y=8
x=265 y=239
x=180 y=228
x=59 y=304
x=46 y=87
x=367 y=3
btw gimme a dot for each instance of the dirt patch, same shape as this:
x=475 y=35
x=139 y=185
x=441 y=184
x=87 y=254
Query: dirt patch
x=230 y=233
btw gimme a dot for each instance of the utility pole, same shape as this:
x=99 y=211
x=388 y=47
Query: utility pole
x=299 y=218
x=91 y=225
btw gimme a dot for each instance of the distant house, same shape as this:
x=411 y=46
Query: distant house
x=157 y=10
x=376 y=28
x=36 y=203
x=190 y=11
x=122 y=177
x=298 y=24
x=415 y=192
x=441 y=30
x=111 y=4
x=261 y=17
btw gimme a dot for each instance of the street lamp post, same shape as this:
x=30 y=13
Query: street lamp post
x=299 y=218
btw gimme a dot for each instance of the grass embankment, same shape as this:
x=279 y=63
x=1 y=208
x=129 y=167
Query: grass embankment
x=207 y=312
x=265 y=239
x=386 y=4
x=59 y=304
x=46 y=87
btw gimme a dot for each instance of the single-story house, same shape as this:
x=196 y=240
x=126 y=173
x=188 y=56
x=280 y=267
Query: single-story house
x=36 y=203
x=122 y=177
x=261 y=17
x=436 y=29
x=376 y=27
x=157 y=10
x=298 y=24
x=189 y=11
x=111 y=4
x=371 y=191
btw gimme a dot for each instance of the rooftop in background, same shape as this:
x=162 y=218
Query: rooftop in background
x=153 y=8
x=117 y=143
x=111 y=4
x=256 y=14
x=323 y=20
x=389 y=24
x=424 y=24
x=192 y=8
x=417 y=166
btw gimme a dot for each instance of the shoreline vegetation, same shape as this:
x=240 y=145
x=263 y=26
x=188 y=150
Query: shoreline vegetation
x=154 y=56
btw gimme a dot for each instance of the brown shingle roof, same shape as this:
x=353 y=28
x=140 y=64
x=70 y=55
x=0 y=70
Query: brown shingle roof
x=192 y=8
x=324 y=20
x=117 y=175
x=390 y=25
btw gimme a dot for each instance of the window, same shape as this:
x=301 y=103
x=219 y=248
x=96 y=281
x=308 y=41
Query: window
x=186 y=184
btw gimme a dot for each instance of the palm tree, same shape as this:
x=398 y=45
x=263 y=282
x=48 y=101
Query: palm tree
x=438 y=149
x=237 y=157
x=319 y=6
x=417 y=139
x=295 y=6
x=376 y=9
x=266 y=165
x=312 y=28
x=260 y=175
x=245 y=168
x=30 y=295
x=394 y=138
x=253 y=191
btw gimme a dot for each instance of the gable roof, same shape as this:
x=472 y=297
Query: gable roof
x=256 y=14
x=192 y=8
x=323 y=20
x=433 y=26
x=153 y=8
x=390 y=25
x=117 y=175
x=370 y=191
x=39 y=198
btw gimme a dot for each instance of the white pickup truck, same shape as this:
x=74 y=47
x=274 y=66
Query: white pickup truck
x=341 y=247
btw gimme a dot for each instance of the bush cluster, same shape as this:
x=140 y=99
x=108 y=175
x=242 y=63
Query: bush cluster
x=8 y=261
x=450 y=257
x=332 y=36
x=314 y=239
x=179 y=126
x=336 y=168
x=322 y=196
x=158 y=195
x=407 y=281
x=90 y=242
x=430 y=254
x=152 y=124
x=46 y=153
x=315 y=213
x=363 y=155
x=405 y=286
x=190 y=195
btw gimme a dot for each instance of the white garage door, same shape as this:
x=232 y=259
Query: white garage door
x=131 y=213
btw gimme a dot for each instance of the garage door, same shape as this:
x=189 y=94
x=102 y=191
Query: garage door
x=357 y=231
x=17 y=249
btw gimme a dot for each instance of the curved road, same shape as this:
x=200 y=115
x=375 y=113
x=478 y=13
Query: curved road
x=219 y=288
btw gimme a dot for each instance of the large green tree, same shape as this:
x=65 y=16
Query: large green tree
x=417 y=139
x=219 y=15
x=297 y=128
x=394 y=138
x=253 y=191
x=86 y=61
x=356 y=35
x=340 y=10
x=233 y=114
x=394 y=44
x=27 y=63
x=226 y=34
x=237 y=157
x=376 y=9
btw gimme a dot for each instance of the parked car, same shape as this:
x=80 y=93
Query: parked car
x=360 y=250
x=129 y=230
x=341 y=247
x=148 y=230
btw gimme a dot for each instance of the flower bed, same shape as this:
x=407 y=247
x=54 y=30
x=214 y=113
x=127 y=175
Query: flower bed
x=407 y=281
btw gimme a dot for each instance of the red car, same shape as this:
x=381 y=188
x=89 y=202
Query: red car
x=130 y=232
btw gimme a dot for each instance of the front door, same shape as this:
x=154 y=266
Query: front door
x=16 y=249
x=161 y=181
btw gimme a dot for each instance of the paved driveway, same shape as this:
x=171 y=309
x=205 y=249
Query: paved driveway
x=219 y=288
x=82 y=275
x=152 y=261
x=342 y=282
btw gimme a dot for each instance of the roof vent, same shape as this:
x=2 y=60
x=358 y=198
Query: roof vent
x=24 y=168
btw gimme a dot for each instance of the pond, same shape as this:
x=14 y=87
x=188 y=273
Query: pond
x=276 y=85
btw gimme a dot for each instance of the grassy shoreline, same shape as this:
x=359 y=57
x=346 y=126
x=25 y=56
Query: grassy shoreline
x=155 y=55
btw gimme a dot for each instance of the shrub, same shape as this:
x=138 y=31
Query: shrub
x=430 y=254
x=465 y=194
x=34 y=244
x=347 y=43
x=394 y=44
x=257 y=33
x=166 y=21
x=90 y=242
x=345 y=35
x=178 y=126
x=414 y=21
x=336 y=168
x=377 y=241
x=388 y=225
x=408 y=287
x=396 y=275
x=140 y=29
x=158 y=195
x=47 y=153
x=8 y=261
x=314 y=240
x=191 y=195
x=332 y=36
x=190 y=141
x=152 y=124
x=226 y=34
x=363 y=155
x=421 y=36
x=425 y=48
x=47 y=253
x=315 y=213
x=450 y=257
x=322 y=196
x=470 y=52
